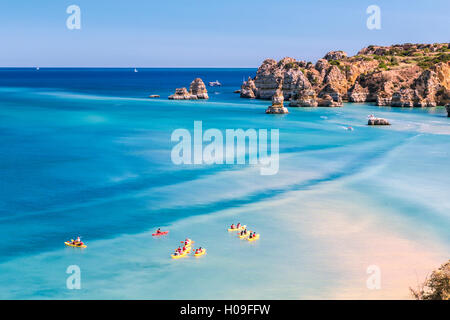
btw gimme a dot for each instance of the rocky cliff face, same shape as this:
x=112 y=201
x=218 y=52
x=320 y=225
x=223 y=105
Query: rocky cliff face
x=409 y=75
x=197 y=90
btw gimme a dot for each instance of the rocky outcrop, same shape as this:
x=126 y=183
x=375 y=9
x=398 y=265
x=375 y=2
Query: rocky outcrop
x=447 y=106
x=197 y=90
x=304 y=98
x=277 y=106
x=378 y=122
x=357 y=93
x=329 y=101
x=409 y=75
x=154 y=96
x=335 y=55
x=403 y=98
x=248 y=89
x=182 y=94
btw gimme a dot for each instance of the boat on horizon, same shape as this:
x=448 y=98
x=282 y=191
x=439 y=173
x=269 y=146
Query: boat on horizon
x=135 y=70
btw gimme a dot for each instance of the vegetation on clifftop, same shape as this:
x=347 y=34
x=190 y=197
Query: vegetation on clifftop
x=435 y=287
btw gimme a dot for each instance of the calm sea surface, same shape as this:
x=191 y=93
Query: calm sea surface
x=86 y=152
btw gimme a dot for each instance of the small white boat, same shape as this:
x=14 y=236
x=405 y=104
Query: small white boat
x=37 y=68
x=135 y=70
x=215 y=83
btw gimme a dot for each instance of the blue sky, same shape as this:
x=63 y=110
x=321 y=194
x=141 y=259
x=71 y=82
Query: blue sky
x=200 y=33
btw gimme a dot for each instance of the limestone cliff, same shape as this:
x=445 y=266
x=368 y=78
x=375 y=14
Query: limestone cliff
x=408 y=75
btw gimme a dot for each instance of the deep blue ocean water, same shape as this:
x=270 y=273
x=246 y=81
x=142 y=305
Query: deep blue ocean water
x=86 y=152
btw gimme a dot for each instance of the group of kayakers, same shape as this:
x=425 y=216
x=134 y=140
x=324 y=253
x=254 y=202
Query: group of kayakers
x=183 y=251
x=238 y=226
x=243 y=232
x=186 y=248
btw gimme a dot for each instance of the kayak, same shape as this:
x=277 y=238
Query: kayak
x=178 y=256
x=237 y=229
x=200 y=253
x=77 y=245
x=244 y=235
x=160 y=234
x=181 y=255
x=187 y=245
x=254 y=238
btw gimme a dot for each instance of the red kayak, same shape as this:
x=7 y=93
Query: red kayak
x=160 y=233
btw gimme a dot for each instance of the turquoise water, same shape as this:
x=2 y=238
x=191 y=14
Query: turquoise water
x=85 y=152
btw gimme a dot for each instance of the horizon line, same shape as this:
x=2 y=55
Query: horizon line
x=112 y=67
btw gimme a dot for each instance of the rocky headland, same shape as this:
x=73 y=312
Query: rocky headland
x=407 y=75
x=197 y=90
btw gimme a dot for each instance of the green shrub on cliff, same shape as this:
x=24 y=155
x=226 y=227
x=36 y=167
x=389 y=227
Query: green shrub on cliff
x=436 y=287
x=334 y=62
x=428 y=62
x=291 y=65
x=383 y=65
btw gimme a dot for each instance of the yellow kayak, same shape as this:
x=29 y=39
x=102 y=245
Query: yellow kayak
x=245 y=235
x=200 y=253
x=187 y=245
x=77 y=245
x=181 y=255
x=254 y=238
x=238 y=229
x=178 y=256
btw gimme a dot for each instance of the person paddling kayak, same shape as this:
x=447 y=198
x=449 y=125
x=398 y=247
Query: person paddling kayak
x=77 y=241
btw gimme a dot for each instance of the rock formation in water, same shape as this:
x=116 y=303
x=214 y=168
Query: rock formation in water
x=378 y=122
x=182 y=94
x=408 y=75
x=277 y=106
x=197 y=90
x=447 y=106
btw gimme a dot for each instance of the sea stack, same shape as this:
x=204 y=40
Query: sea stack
x=277 y=106
x=197 y=90
x=248 y=89
x=447 y=106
